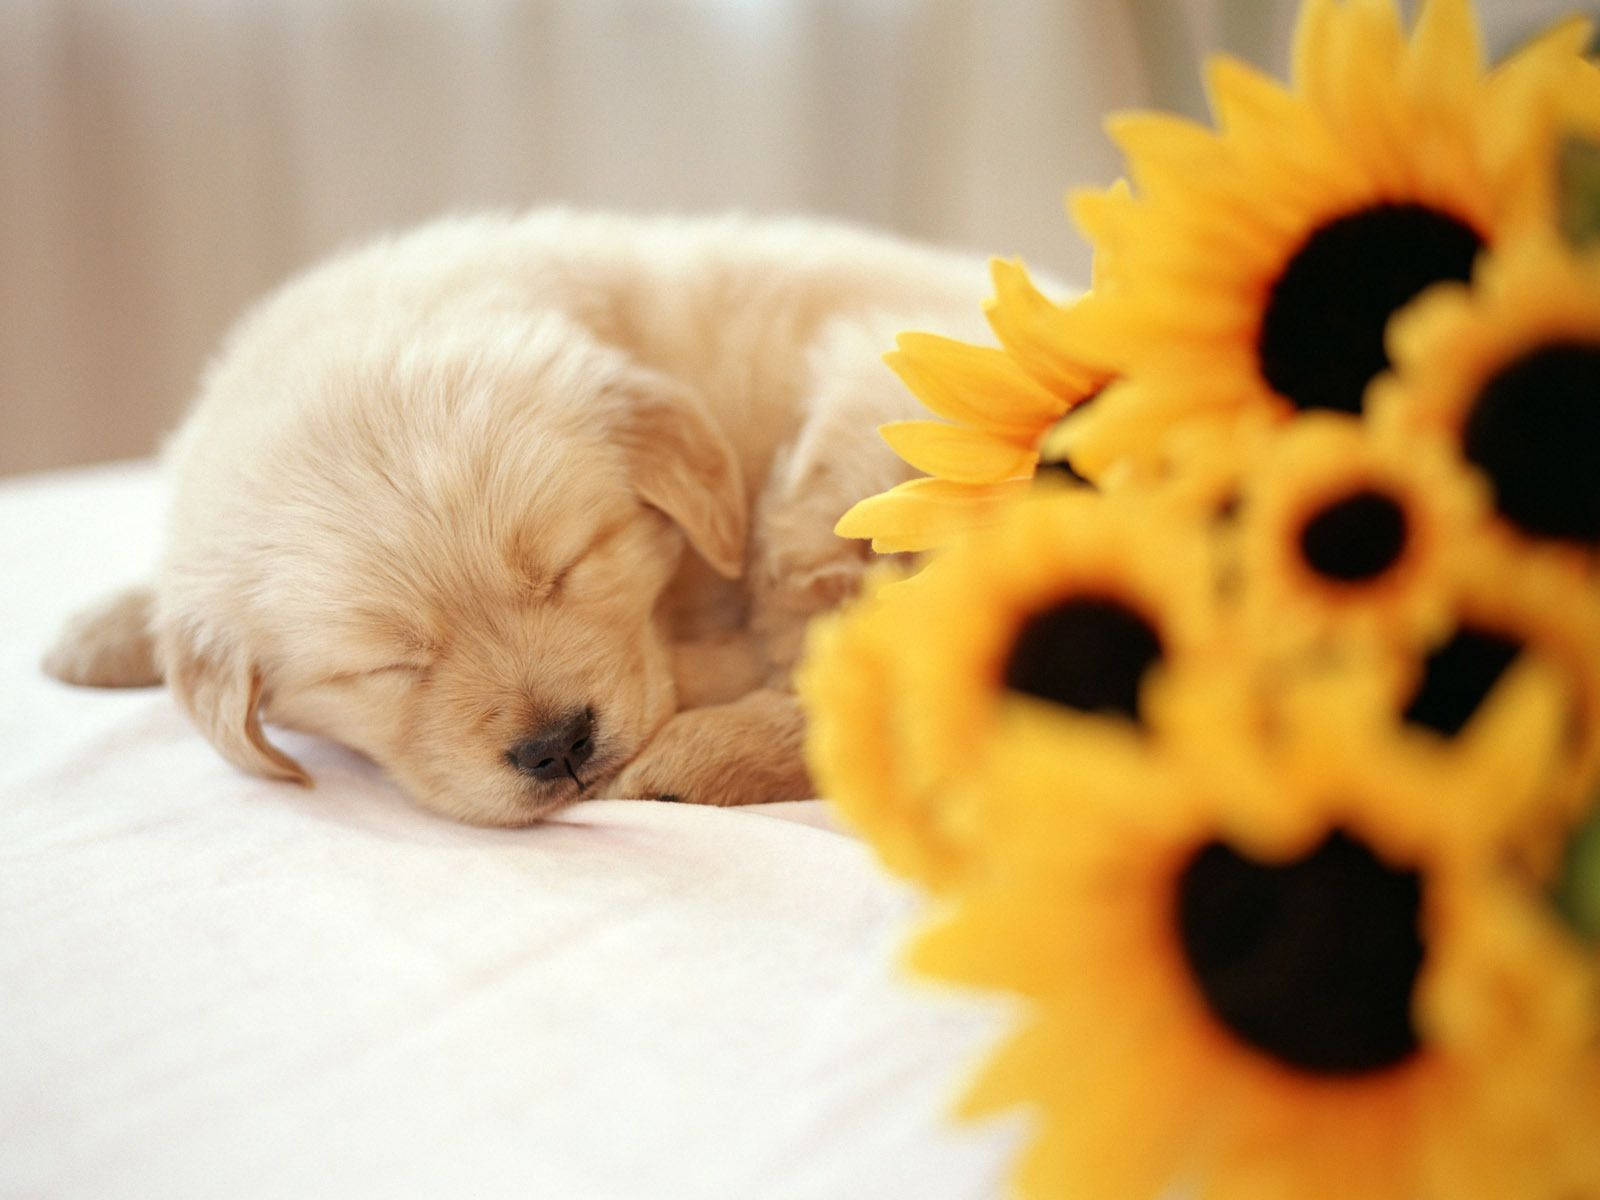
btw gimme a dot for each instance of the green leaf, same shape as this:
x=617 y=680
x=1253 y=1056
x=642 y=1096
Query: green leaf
x=1577 y=892
x=1578 y=184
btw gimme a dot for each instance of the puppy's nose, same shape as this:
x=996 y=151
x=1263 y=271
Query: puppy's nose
x=557 y=750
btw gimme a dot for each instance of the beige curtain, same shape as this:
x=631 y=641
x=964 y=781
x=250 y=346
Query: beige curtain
x=163 y=161
x=166 y=160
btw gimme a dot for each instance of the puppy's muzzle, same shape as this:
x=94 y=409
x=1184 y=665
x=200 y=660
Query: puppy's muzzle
x=556 y=750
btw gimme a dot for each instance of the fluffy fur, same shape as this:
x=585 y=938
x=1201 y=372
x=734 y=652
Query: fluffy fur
x=443 y=494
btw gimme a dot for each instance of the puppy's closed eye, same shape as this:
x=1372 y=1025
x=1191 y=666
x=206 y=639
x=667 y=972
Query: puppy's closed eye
x=592 y=566
x=530 y=558
x=388 y=669
x=576 y=577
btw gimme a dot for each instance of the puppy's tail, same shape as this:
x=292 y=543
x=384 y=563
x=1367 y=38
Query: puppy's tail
x=108 y=645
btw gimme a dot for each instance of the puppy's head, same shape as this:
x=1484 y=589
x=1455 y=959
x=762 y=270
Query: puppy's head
x=447 y=556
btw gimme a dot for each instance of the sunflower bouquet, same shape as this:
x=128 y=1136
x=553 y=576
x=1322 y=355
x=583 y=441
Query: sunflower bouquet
x=1242 y=714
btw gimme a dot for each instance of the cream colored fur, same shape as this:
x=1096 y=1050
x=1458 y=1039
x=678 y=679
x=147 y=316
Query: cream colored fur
x=438 y=492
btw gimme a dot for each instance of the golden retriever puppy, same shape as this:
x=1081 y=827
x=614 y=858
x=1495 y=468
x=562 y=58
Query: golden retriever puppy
x=531 y=509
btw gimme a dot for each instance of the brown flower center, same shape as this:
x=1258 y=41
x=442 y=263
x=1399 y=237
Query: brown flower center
x=1535 y=431
x=1458 y=676
x=1312 y=962
x=1355 y=538
x=1089 y=653
x=1321 y=336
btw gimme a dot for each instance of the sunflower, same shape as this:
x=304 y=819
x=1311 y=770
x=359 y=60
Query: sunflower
x=1311 y=973
x=996 y=401
x=1508 y=610
x=1256 y=267
x=853 y=684
x=1509 y=371
x=1558 y=91
x=1072 y=604
x=1344 y=534
x=1075 y=602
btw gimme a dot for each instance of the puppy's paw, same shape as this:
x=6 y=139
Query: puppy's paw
x=745 y=752
x=647 y=778
x=109 y=645
x=640 y=780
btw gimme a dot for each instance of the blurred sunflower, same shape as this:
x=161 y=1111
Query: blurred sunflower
x=1256 y=267
x=1558 y=91
x=1345 y=991
x=1071 y=604
x=1343 y=534
x=859 y=704
x=1509 y=371
x=996 y=401
x=1509 y=610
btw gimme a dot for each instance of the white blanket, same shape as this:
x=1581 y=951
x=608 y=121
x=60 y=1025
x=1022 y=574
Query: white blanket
x=214 y=986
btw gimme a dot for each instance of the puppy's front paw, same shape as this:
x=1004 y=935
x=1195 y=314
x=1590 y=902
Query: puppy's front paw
x=655 y=776
x=745 y=752
x=637 y=782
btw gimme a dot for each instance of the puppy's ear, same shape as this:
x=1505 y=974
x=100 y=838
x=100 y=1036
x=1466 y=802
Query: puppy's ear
x=221 y=692
x=681 y=463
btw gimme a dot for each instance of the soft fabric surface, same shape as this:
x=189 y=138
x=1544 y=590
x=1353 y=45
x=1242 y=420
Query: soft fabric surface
x=212 y=985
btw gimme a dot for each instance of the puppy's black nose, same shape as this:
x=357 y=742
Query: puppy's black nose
x=557 y=750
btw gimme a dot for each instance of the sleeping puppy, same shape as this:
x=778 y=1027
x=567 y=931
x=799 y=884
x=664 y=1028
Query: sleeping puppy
x=529 y=510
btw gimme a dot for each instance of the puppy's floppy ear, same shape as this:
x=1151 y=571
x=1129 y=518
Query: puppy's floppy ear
x=221 y=691
x=683 y=464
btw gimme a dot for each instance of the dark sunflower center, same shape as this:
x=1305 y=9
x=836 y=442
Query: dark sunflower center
x=1458 y=676
x=1090 y=653
x=1535 y=431
x=1321 y=338
x=1312 y=962
x=1061 y=470
x=1355 y=538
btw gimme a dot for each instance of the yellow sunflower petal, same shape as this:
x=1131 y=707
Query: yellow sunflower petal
x=1038 y=333
x=1552 y=50
x=1550 y=78
x=1251 y=103
x=1315 y=29
x=1379 y=28
x=924 y=513
x=1089 y=1154
x=850 y=684
x=958 y=454
x=1291 y=155
x=1343 y=100
x=1009 y=1077
x=1167 y=152
x=966 y=950
x=1446 y=56
x=980 y=386
x=1127 y=424
x=1508 y=747
x=1374 y=46
x=1097 y=213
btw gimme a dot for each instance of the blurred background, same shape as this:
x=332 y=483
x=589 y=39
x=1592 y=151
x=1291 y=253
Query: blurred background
x=164 y=161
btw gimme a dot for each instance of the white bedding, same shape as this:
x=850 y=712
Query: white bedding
x=214 y=986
